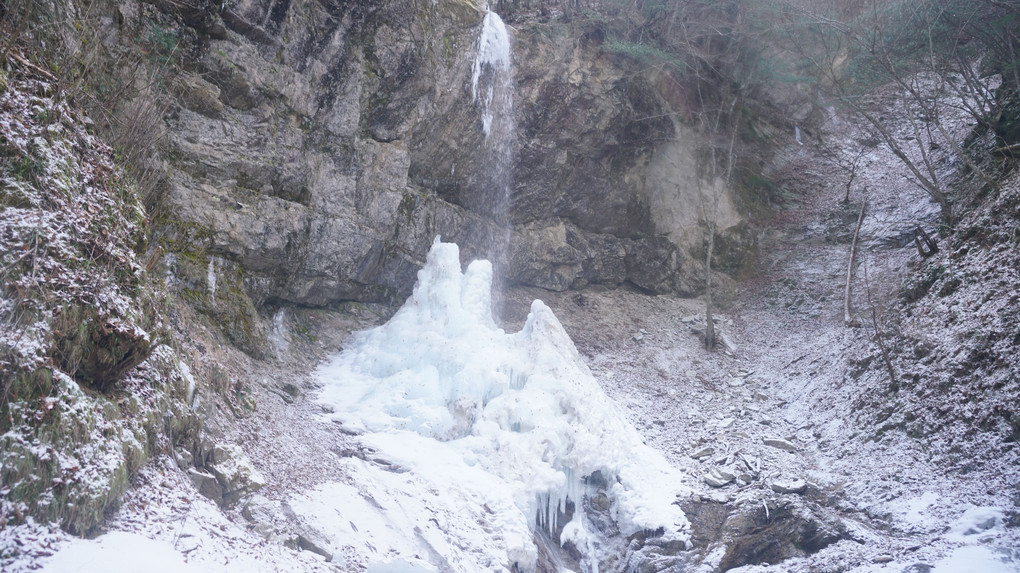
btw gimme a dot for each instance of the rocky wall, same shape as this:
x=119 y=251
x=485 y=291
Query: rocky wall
x=318 y=147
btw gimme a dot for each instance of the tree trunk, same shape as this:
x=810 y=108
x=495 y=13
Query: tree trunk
x=709 y=321
x=847 y=318
x=879 y=338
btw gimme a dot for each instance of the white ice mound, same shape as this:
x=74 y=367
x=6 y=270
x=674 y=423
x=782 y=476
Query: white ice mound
x=520 y=413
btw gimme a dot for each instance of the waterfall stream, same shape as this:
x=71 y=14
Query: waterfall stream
x=491 y=73
x=492 y=92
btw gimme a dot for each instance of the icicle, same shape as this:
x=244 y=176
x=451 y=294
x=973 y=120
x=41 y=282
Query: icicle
x=549 y=513
x=515 y=380
x=493 y=49
x=210 y=277
x=278 y=336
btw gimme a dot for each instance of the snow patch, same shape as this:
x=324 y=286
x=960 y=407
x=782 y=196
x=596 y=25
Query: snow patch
x=915 y=511
x=971 y=559
x=118 y=552
x=977 y=523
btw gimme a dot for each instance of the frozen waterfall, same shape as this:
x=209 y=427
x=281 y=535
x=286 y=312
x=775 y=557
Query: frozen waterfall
x=492 y=92
x=491 y=72
x=480 y=437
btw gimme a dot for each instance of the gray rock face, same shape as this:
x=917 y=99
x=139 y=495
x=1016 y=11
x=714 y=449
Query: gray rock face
x=206 y=484
x=320 y=148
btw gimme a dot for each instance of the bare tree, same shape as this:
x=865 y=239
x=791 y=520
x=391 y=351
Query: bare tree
x=725 y=178
x=918 y=51
x=879 y=337
x=850 y=164
x=713 y=39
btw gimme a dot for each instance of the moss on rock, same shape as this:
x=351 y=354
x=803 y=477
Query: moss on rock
x=85 y=399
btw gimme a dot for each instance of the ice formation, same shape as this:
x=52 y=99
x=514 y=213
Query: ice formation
x=494 y=53
x=514 y=423
x=210 y=277
x=278 y=334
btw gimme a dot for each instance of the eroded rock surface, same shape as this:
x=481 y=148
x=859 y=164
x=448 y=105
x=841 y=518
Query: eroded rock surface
x=318 y=148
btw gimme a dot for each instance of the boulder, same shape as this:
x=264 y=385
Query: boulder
x=789 y=486
x=184 y=459
x=306 y=537
x=234 y=471
x=702 y=452
x=780 y=444
x=207 y=485
x=265 y=515
x=718 y=497
x=719 y=477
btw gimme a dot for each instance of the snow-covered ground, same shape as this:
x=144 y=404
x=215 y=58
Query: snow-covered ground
x=769 y=446
x=405 y=501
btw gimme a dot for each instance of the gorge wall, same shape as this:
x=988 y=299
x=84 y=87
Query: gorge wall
x=294 y=156
x=289 y=154
x=314 y=149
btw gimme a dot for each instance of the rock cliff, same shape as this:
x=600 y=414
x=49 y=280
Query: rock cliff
x=314 y=149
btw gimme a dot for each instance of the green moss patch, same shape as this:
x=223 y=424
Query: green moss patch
x=87 y=392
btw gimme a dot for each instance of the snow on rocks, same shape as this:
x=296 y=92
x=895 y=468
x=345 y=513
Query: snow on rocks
x=206 y=484
x=789 y=486
x=780 y=443
x=703 y=452
x=227 y=475
x=719 y=477
x=234 y=472
x=162 y=526
x=513 y=423
x=76 y=308
x=720 y=497
x=977 y=523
